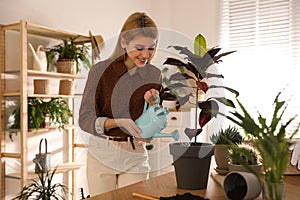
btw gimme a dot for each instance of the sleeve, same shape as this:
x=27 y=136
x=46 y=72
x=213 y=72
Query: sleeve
x=87 y=111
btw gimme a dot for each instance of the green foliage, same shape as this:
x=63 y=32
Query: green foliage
x=271 y=140
x=225 y=136
x=69 y=50
x=200 y=45
x=43 y=189
x=57 y=109
x=194 y=69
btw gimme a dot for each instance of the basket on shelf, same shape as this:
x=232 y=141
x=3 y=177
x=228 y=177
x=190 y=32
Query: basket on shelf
x=66 y=87
x=41 y=86
x=66 y=66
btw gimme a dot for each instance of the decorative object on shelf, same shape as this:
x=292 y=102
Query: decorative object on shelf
x=244 y=158
x=66 y=87
x=271 y=139
x=56 y=108
x=69 y=55
x=195 y=70
x=97 y=46
x=41 y=86
x=40 y=58
x=221 y=141
x=43 y=188
x=42 y=160
x=241 y=185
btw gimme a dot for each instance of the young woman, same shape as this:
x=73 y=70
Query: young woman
x=113 y=99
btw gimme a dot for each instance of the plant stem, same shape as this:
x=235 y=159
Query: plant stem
x=196 y=114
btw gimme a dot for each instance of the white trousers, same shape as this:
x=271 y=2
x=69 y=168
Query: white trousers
x=112 y=164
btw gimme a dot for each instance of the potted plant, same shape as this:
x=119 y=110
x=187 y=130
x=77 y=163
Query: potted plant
x=222 y=141
x=53 y=112
x=271 y=139
x=194 y=69
x=68 y=55
x=43 y=189
x=244 y=154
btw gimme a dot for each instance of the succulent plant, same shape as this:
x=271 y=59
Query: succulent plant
x=243 y=154
x=227 y=135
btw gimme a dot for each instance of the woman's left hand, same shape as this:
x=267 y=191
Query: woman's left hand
x=151 y=96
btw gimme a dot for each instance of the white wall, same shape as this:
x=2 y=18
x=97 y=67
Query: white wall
x=183 y=19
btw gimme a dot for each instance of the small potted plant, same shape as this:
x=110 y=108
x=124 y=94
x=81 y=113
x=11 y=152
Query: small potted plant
x=222 y=141
x=43 y=189
x=271 y=139
x=68 y=55
x=55 y=112
x=244 y=155
x=193 y=173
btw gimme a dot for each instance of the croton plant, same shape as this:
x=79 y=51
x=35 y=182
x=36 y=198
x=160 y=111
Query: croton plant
x=194 y=68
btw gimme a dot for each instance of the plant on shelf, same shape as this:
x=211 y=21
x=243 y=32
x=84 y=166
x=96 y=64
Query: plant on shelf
x=244 y=158
x=271 y=139
x=222 y=141
x=68 y=51
x=57 y=109
x=194 y=69
x=43 y=189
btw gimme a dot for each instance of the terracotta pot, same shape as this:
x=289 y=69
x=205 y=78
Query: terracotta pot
x=192 y=164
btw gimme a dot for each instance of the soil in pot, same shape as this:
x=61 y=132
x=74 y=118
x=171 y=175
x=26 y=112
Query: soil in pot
x=192 y=164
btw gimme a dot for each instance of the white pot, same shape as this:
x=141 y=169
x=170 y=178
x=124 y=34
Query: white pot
x=242 y=185
x=169 y=103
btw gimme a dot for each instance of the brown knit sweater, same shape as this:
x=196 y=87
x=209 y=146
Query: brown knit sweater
x=117 y=94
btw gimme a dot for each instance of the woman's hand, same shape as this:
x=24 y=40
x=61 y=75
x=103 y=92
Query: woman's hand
x=131 y=127
x=151 y=96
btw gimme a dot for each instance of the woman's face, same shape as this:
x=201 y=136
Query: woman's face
x=139 y=51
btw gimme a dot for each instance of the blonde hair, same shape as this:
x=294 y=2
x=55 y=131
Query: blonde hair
x=136 y=24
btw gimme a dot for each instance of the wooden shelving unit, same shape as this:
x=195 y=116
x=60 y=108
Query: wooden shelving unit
x=25 y=29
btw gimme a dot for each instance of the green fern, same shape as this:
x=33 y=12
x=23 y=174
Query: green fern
x=43 y=188
x=271 y=140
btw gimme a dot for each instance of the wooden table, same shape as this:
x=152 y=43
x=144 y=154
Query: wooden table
x=165 y=185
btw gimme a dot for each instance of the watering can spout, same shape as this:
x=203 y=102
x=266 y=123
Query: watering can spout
x=174 y=135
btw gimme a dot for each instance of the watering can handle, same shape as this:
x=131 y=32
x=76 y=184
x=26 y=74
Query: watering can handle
x=40 y=147
x=146 y=105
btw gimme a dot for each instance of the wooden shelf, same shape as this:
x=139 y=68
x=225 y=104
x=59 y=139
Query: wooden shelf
x=23 y=73
x=13 y=93
x=44 y=31
x=46 y=74
x=40 y=130
x=62 y=168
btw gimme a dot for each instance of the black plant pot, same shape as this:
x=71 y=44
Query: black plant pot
x=192 y=164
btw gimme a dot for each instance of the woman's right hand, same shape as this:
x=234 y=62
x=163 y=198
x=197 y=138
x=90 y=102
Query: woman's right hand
x=131 y=127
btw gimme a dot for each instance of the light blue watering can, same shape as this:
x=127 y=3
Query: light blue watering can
x=153 y=121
